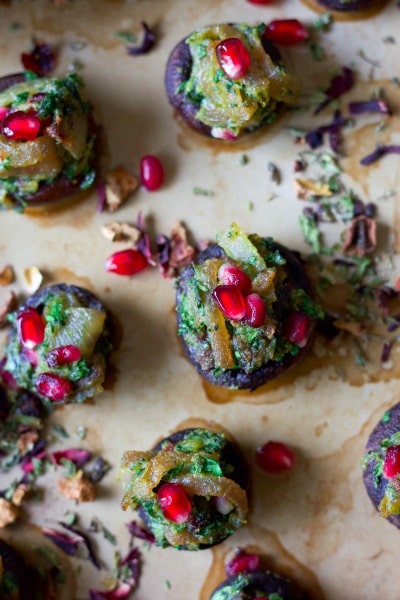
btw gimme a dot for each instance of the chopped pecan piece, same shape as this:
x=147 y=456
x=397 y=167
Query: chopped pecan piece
x=119 y=185
x=19 y=494
x=118 y=231
x=360 y=237
x=8 y=513
x=7 y=275
x=77 y=488
x=26 y=441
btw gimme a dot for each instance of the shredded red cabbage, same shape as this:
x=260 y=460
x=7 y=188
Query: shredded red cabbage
x=378 y=153
x=139 y=532
x=84 y=539
x=41 y=60
x=79 y=456
x=340 y=84
x=315 y=137
x=123 y=590
x=101 y=196
x=67 y=543
x=143 y=244
x=149 y=39
x=369 y=106
x=386 y=350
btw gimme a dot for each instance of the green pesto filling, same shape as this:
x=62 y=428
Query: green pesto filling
x=251 y=347
x=242 y=104
x=202 y=451
x=67 y=321
x=65 y=146
x=390 y=502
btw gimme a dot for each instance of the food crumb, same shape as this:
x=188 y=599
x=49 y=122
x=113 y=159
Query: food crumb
x=9 y=513
x=119 y=185
x=77 y=488
x=7 y=275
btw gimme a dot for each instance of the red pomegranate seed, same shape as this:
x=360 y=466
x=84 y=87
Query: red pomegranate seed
x=151 y=172
x=230 y=301
x=126 y=262
x=21 y=126
x=298 y=327
x=233 y=57
x=274 y=457
x=231 y=275
x=221 y=133
x=31 y=327
x=53 y=386
x=391 y=465
x=242 y=561
x=174 y=502
x=63 y=355
x=255 y=310
x=286 y=32
x=3 y=112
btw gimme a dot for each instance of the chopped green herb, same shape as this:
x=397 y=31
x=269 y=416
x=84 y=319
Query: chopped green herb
x=386 y=417
x=323 y=22
x=243 y=160
x=81 y=432
x=126 y=36
x=198 y=191
x=97 y=526
x=60 y=430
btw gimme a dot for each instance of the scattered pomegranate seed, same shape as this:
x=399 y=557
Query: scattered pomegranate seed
x=286 y=32
x=63 y=355
x=126 y=262
x=174 y=502
x=242 y=561
x=255 y=310
x=21 y=126
x=31 y=326
x=231 y=275
x=3 y=112
x=391 y=465
x=53 y=386
x=233 y=57
x=230 y=301
x=151 y=172
x=274 y=457
x=298 y=327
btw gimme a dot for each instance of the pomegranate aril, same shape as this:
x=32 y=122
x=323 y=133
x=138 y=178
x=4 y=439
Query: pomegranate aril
x=63 y=355
x=231 y=275
x=286 y=32
x=151 y=172
x=174 y=502
x=230 y=301
x=255 y=310
x=242 y=561
x=391 y=465
x=53 y=386
x=126 y=262
x=298 y=327
x=233 y=57
x=31 y=327
x=21 y=126
x=221 y=133
x=274 y=457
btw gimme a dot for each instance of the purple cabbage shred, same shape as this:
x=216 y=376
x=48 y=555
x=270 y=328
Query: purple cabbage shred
x=84 y=539
x=78 y=456
x=123 y=590
x=149 y=39
x=369 y=106
x=378 y=153
x=101 y=196
x=139 y=532
x=67 y=543
x=386 y=350
x=315 y=137
x=340 y=84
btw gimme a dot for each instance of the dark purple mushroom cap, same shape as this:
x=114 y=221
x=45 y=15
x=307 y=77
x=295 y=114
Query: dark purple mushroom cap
x=16 y=571
x=249 y=583
x=238 y=378
x=230 y=454
x=349 y=6
x=178 y=70
x=376 y=487
x=61 y=187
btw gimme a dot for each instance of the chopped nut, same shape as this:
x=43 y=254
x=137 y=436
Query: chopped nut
x=32 y=279
x=119 y=185
x=182 y=253
x=8 y=513
x=77 y=488
x=7 y=275
x=121 y=232
x=9 y=306
x=20 y=492
x=360 y=237
x=306 y=189
x=26 y=441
